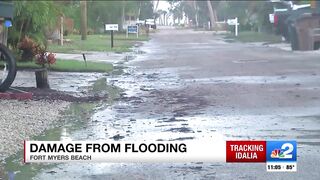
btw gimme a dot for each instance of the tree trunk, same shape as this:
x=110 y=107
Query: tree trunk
x=20 y=33
x=211 y=14
x=167 y=23
x=139 y=10
x=196 y=13
x=160 y=19
x=156 y=7
x=83 y=11
x=123 y=16
x=174 y=19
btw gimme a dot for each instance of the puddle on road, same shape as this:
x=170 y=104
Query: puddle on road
x=73 y=120
x=129 y=58
x=120 y=120
x=250 y=61
x=229 y=40
x=117 y=122
x=104 y=124
x=123 y=121
x=292 y=79
x=73 y=83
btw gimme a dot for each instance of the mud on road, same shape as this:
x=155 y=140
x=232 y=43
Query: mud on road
x=192 y=85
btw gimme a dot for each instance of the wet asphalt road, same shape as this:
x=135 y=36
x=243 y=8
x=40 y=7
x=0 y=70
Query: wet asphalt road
x=192 y=85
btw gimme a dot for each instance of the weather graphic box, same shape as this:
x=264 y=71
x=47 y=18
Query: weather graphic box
x=282 y=156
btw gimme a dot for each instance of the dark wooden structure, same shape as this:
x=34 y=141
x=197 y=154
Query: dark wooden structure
x=42 y=78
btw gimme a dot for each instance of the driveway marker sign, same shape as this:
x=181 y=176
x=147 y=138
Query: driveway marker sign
x=111 y=27
x=133 y=29
x=234 y=22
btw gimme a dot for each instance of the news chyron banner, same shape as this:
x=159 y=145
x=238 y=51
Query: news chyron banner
x=121 y=151
x=279 y=156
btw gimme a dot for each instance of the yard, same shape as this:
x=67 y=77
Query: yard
x=251 y=36
x=70 y=66
x=97 y=42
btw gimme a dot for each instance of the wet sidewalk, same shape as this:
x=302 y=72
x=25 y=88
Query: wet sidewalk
x=73 y=82
x=109 y=57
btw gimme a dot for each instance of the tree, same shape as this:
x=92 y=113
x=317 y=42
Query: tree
x=176 y=10
x=146 y=10
x=32 y=18
x=252 y=15
x=212 y=14
x=114 y=12
x=197 y=11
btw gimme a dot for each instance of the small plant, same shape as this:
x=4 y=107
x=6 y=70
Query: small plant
x=29 y=49
x=44 y=58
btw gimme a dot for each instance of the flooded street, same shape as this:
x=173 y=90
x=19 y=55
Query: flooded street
x=193 y=85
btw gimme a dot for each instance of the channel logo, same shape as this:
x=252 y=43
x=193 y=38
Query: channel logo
x=281 y=151
x=277 y=153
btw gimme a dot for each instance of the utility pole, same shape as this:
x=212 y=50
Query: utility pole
x=83 y=11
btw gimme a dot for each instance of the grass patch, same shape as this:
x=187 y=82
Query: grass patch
x=97 y=42
x=71 y=66
x=251 y=36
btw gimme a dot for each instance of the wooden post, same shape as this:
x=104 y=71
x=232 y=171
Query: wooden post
x=42 y=79
x=147 y=29
x=137 y=31
x=127 y=33
x=111 y=38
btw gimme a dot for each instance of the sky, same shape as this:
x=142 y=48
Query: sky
x=164 y=5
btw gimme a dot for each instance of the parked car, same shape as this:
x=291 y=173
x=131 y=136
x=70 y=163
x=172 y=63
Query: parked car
x=285 y=12
x=151 y=23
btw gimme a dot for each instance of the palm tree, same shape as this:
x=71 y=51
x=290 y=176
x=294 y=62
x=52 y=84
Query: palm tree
x=196 y=12
x=212 y=14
